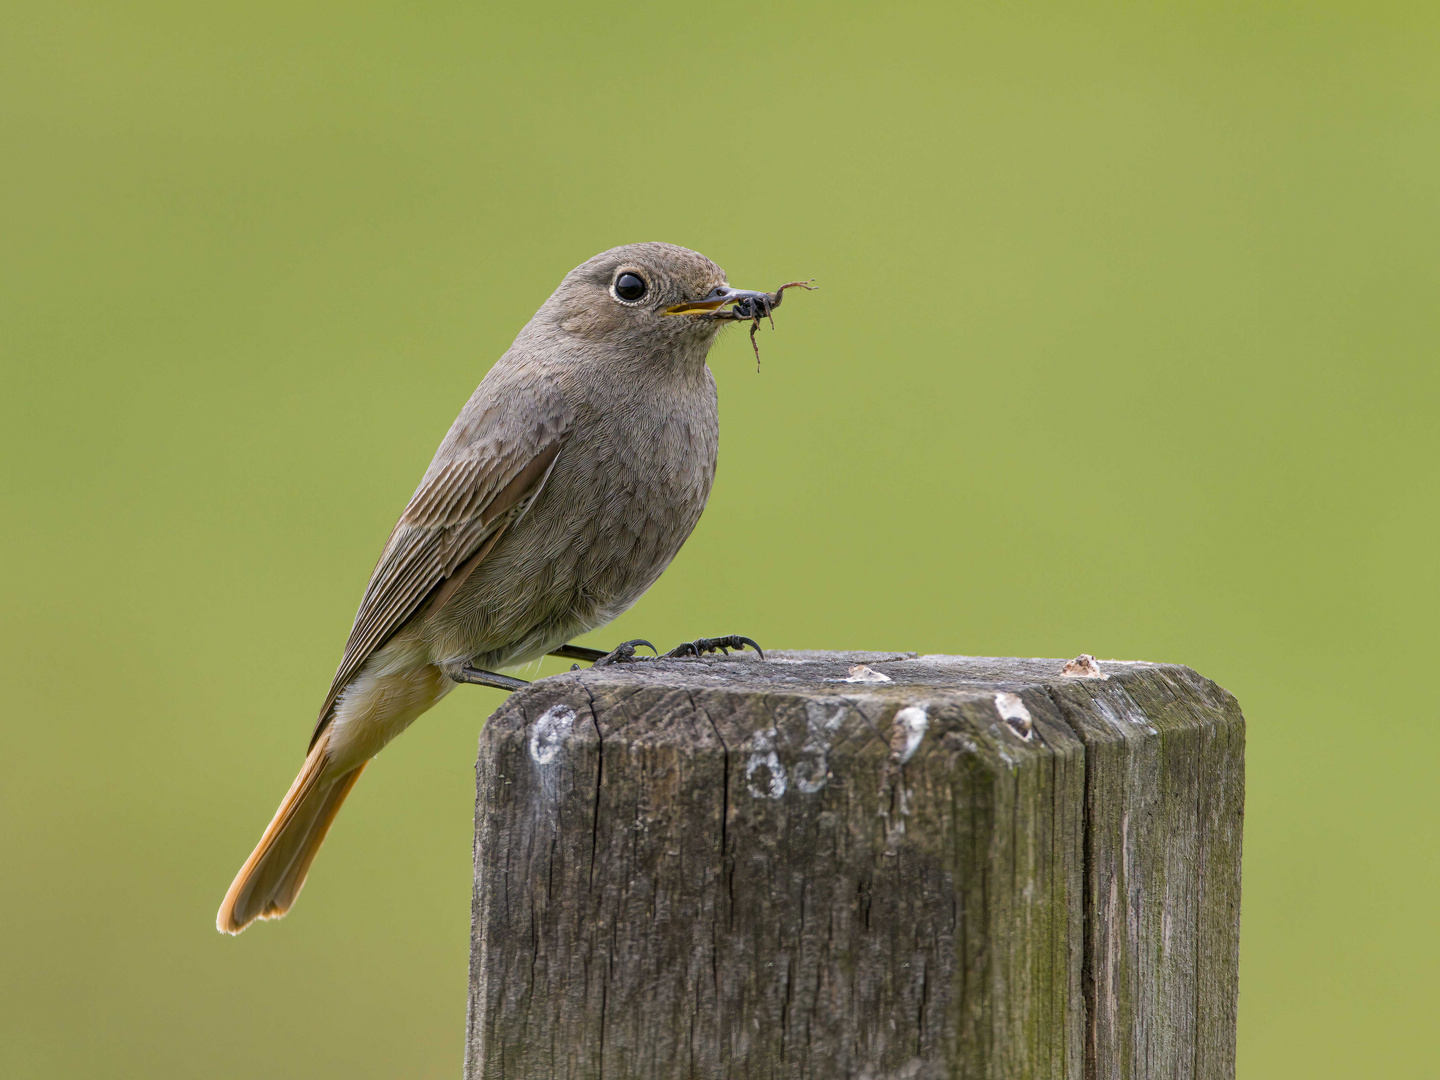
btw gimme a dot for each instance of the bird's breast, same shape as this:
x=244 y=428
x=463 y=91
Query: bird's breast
x=626 y=490
x=643 y=478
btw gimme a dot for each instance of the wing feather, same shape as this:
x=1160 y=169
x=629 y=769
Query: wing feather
x=469 y=495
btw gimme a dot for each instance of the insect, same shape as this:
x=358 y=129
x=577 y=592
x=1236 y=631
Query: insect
x=738 y=305
x=759 y=306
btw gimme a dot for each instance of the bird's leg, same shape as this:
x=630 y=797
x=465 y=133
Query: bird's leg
x=476 y=677
x=618 y=655
x=578 y=652
x=709 y=645
x=623 y=653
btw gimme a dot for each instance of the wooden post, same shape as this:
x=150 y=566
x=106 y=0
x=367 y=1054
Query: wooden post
x=869 y=865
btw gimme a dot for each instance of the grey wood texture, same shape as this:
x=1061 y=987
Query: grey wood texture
x=733 y=868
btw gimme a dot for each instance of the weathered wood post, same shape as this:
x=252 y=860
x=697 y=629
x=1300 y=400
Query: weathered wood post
x=871 y=865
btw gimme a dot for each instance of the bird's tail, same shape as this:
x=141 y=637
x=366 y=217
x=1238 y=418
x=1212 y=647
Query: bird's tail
x=275 y=872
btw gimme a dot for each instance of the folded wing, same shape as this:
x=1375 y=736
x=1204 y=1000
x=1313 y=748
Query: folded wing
x=487 y=473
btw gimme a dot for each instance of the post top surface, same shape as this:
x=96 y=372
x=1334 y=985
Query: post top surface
x=828 y=673
x=740 y=695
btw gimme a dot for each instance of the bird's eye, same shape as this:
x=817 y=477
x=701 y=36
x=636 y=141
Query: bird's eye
x=629 y=287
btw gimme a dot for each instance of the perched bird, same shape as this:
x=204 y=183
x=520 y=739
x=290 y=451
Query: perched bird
x=562 y=491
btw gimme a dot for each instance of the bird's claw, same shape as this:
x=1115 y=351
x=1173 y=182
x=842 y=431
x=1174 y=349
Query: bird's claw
x=700 y=646
x=624 y=653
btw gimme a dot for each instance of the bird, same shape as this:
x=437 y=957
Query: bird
x=564 y=488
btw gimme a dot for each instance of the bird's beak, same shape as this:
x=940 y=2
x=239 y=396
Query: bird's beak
x=717 y=298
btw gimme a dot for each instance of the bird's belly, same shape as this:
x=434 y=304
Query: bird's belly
x=595 y=540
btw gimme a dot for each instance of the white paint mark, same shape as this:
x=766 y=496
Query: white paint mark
x=816 y=720
x=954 y=740
x=865 y=673
x=911 y=724
x=548 y=737
x=1109 y=715
x=812 y=771
x=1117 y=720
x=1012 y=710
x=763 y=756
x=812 y=775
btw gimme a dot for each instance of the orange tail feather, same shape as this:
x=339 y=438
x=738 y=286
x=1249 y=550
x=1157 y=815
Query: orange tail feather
x=274 y=874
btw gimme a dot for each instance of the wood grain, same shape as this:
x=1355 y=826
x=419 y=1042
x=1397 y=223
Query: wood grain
x=741 y=868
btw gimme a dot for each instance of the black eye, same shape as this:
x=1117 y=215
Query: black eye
x=630 y=287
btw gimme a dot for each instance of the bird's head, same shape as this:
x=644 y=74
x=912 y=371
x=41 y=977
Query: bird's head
x=641 y=296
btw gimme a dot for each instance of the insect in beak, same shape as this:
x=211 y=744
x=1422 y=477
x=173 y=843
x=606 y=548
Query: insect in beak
x=710 y=304
x=747 y=306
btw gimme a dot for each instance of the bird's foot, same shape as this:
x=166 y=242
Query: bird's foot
x=476 y=677
x=700 y=646
x=623 y=653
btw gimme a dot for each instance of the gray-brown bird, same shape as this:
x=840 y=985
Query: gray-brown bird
x=562 y=491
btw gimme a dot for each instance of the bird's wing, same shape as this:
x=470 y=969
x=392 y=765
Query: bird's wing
x=465 y=502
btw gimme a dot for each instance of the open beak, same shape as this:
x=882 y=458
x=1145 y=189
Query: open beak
x=717 y=298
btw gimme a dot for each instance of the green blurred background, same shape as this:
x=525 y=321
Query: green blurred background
x=1126 y=344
